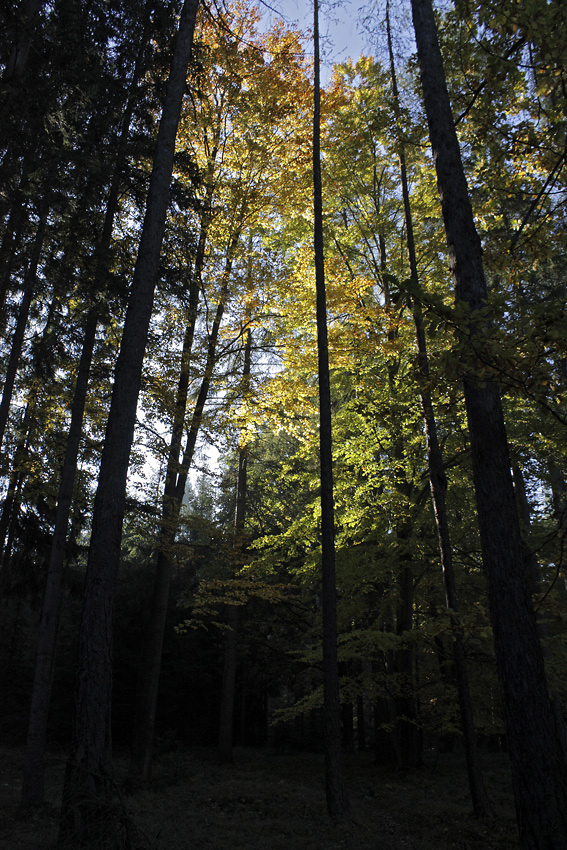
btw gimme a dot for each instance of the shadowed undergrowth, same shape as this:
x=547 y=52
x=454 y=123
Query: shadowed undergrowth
x=276 y=802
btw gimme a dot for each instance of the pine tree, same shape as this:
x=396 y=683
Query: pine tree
x=539 y=768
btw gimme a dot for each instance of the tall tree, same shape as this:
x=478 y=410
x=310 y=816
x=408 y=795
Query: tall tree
x=32 y=786
x=539 y=769
x=174 y=491
x=337 y=800
x=88 y=779
x=233 y=149
x=438 y=480
x=226 y=722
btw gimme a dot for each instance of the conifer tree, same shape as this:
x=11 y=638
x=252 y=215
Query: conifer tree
x=88 y=781
x=539 y=767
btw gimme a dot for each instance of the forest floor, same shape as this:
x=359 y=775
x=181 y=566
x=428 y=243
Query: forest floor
x=266 y=801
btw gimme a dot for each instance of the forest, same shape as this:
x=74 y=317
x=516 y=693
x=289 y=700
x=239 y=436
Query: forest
x=283 y=420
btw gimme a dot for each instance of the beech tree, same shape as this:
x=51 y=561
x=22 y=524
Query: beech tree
x=337 y=800
x=235 y=158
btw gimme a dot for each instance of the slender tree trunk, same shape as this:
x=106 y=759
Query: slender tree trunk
x=11 y=238
x=10 y=513
x=408 y=731
x=337 y=800
x=360 y=724
x=558 y=495
x=32 y=786
x=176 y=479
x=535 y=580
x=21 y=324
x=226 y=723
x=539 y=771
x=438 y=484
x=88 y=781
x=226 y=719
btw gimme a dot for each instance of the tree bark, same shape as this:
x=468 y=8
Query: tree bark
x=176 y=479
x=337 y=800
x=532 y=565
x=438 y=484
x=88 y=781
x=539 y=771
x=226 y=723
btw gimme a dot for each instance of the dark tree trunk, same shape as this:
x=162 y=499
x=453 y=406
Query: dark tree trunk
x=176 y=480
x=337 y=800
x=360 y=724
x=535 y=579
x=347 y=723
x=226 y=724
x=438 y=485
x=12 y=235
x=146 y=702
x=408 y=731
x=88 y=781
x=559 y=495
x=23 y=314
x=226 y=719
x=32 y=786
x=12 y=504
x=539 y=771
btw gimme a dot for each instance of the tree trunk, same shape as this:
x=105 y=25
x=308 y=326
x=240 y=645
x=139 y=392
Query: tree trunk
x=18 y=59
x=176 y=479
x=32 y=786
x=539 y=771
x=88 y=781
x=226 y=723
x=438 y=485
x=11 y=510
x=535 y=580
x=226 y=720
x=21 y=324
x=408 y=731
x=12 y=235
x=337 y=800
x=360 y=724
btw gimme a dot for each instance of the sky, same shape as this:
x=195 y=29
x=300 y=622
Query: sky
x=339 y=24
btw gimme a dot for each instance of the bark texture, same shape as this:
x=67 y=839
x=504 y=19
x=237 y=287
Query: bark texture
x=539 y=772
x=438 y=485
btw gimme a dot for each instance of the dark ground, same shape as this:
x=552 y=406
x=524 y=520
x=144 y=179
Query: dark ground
x=276 y=802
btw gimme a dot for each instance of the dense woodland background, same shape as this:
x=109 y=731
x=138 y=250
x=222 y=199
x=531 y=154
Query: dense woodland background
x=220 y=553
